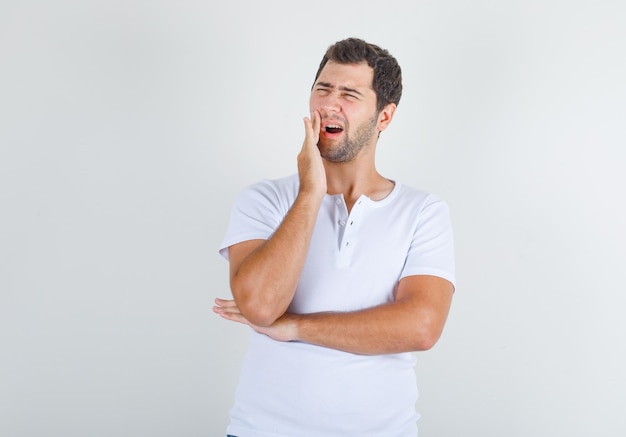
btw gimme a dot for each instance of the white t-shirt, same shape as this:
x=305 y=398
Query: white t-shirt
x=355 y=261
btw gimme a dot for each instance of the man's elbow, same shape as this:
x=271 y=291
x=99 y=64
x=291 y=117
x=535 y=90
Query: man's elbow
x=426 y=338
x=258 y=314
x=425 y=343
x=253 y=307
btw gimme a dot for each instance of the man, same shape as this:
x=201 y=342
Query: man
x=340 y=272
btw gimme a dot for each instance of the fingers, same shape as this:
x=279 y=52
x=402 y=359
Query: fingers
x=224 y=306
x=316 y=123
x=310 y=165
x=312 y=129
x=227 y=309
x=225 y=302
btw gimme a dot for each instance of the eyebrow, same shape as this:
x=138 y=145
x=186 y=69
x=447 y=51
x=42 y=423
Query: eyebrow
x=341 y=88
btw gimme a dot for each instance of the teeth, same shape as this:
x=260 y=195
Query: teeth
x=333 y=126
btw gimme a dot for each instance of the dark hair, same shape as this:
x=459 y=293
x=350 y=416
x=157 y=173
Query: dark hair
x=387 y=83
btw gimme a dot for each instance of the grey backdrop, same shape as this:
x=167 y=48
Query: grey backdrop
x=127 y=128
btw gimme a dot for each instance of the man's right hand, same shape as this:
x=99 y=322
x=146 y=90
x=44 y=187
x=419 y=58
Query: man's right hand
x=310 y=163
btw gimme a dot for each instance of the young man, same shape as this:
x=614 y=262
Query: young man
x=341 y=272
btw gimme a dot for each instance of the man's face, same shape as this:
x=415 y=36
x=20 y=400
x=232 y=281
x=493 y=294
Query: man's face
x=344 y=97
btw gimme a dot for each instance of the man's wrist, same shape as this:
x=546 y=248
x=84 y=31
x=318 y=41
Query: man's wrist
x=294 y=321
x=311 y=198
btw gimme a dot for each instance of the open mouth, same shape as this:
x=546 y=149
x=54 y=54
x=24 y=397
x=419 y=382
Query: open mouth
x=333 y=129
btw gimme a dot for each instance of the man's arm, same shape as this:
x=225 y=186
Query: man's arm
x=412 y=322
x=264 y=273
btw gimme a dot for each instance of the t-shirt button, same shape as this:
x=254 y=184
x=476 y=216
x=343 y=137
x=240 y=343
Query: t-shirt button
x=338 y=201
x=342 y=222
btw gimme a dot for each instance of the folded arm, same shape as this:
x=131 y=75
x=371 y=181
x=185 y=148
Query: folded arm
x=264 y=273
x=412 y=322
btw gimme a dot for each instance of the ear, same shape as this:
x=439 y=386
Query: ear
x=385 y=116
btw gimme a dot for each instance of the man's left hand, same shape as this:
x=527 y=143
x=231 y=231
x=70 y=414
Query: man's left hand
x=283 y=329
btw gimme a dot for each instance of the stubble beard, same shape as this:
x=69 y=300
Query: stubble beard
x=348 y=148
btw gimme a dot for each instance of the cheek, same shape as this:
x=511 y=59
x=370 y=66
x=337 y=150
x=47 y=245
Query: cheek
x=314 y=103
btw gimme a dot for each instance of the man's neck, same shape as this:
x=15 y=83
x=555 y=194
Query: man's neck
x=354 y=179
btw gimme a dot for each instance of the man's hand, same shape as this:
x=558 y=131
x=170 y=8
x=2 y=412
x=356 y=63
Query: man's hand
x=281 y=330
x=310 y=164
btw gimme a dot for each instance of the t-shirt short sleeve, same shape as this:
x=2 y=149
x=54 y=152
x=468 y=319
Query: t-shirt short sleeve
x=257 y=212
x=432 y=246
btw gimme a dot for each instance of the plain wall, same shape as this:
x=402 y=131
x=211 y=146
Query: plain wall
x=127 y=128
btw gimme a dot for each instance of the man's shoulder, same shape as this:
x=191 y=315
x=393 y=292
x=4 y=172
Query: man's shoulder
x=279 y=190
x=411 y=194
x=283 y=184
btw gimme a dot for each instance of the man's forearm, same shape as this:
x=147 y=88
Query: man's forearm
x=263 y=281
x=385 y=329
x=413 y=322
x=264 y=275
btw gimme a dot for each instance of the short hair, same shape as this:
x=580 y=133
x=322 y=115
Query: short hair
x=387 y=82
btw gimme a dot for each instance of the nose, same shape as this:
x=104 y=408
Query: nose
x=330 y=102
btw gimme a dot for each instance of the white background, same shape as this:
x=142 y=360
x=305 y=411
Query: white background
x=127 y=128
